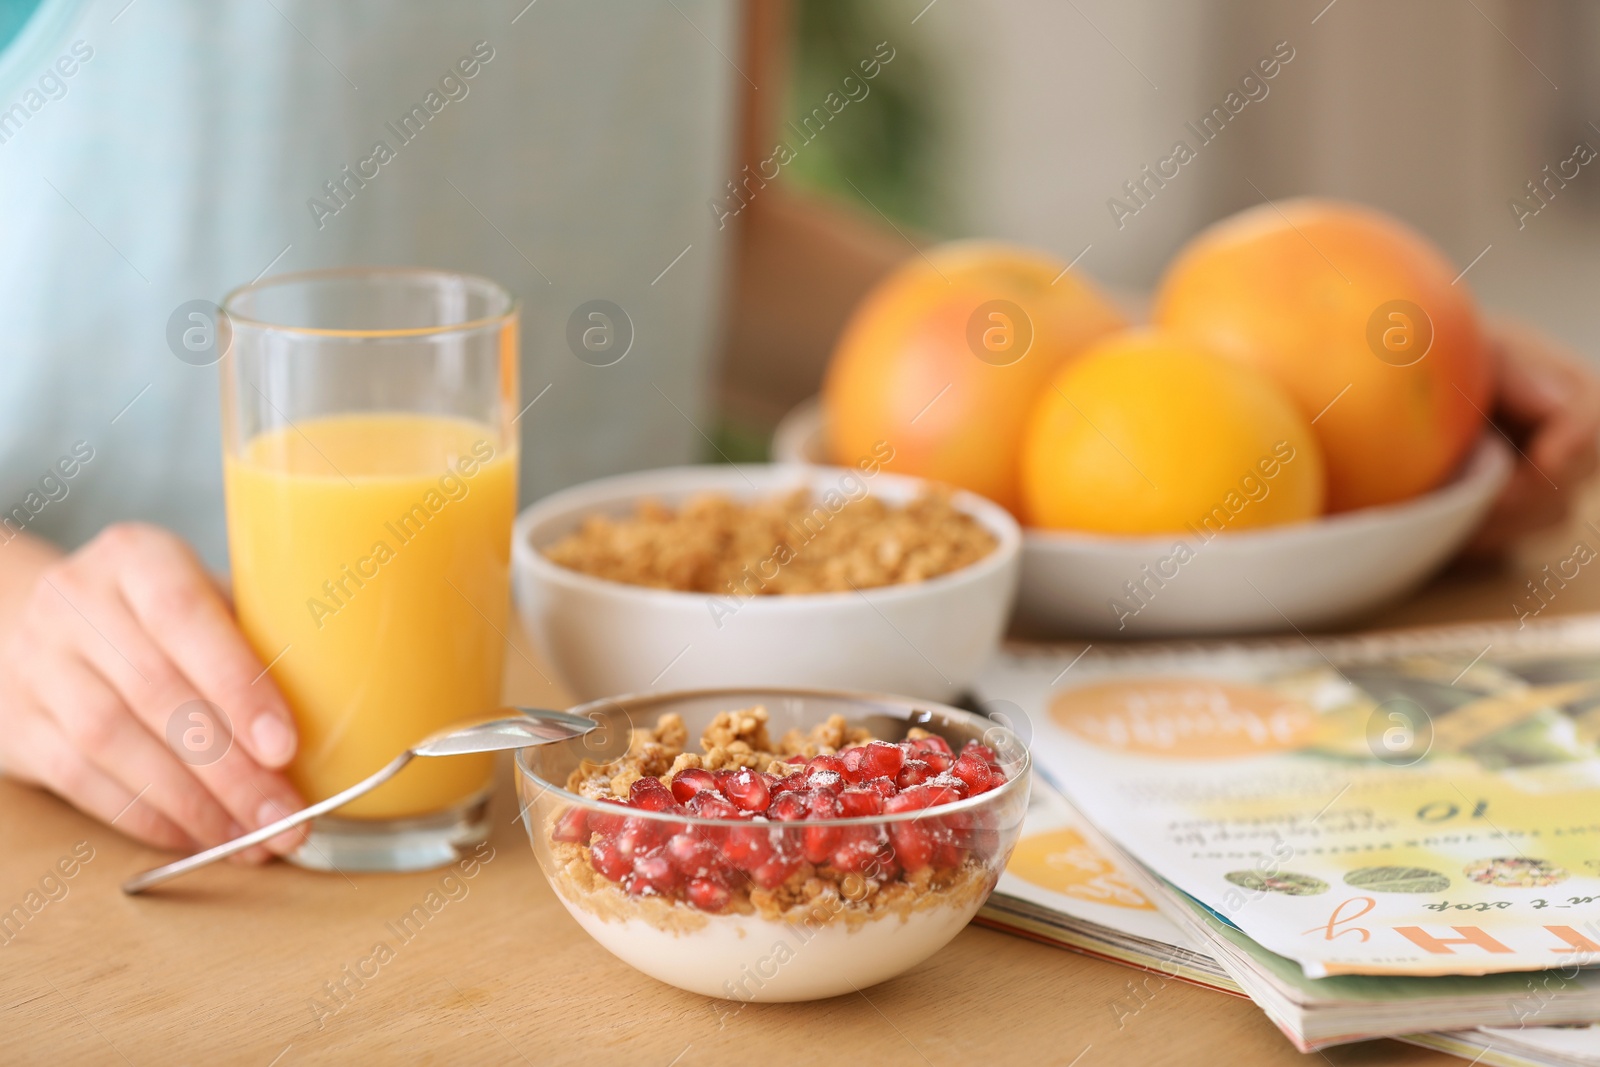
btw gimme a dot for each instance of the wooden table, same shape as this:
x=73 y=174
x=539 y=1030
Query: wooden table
x=225 y=966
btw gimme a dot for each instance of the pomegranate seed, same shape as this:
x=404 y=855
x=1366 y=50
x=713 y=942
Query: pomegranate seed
x=789 y=807
x=983 y=752
x=920 y=796
x=722 y=778
x=937 y=761
x=884 y=787
x=750 y=790
x=695 y=856
x=856 y=847
x=884 y=866
x=934 y=743
x=605 y=858
x=748 y=847
x=790 y=783
x=830 y=781
x=950 y=839
x=656 y=872
x=854 y=803
x=648 y=793
x=638 y=837
x=823 y=804
x=708 y=895
x=604 y=822
x=880 y=759
x=825 y=763
x=710 y=805
x=775 y=871
x=818 y=842
x=947 y=853
x=914 y=772
x=950 y=781
x=789 y=842
x=905 y=800
x=668 y=829
x=970 y=768
x=573 y=826
x=690 y=781
x=913 y=846
x=852 y=763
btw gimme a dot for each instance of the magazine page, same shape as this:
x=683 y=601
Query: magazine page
x=1488 y=1046
x=1056 y=865
x=1422 y=803
x=1575 y=1044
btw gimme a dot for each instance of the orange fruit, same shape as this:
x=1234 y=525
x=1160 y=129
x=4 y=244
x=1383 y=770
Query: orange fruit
x=1148 y=433
x=1354 y=314
x=940 y=363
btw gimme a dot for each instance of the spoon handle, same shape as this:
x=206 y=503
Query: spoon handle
x=139 y=883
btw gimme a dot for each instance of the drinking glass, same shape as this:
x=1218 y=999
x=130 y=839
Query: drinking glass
x=370 y=469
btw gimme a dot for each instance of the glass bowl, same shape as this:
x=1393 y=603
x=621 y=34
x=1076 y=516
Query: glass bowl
x=735 y=907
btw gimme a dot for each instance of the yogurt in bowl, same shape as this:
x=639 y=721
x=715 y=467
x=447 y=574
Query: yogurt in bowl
x=775 y=844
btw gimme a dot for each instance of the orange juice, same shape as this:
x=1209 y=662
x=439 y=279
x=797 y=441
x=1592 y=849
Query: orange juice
x=371 y=562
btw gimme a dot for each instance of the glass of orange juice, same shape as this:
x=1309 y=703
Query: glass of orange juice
x=370 y=470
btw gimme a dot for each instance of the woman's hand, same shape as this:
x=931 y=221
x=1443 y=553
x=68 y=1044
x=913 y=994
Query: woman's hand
x=99 y=679
x=1547 y=401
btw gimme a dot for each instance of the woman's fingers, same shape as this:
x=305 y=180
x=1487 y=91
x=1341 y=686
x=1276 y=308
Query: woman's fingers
x=38 y=749
x=103 y=729
x=1546 y=391
x=172 y=599
x=99 y=725
x=1564 y=446
x=1547 y=402
x=176 y=603
x=198 y=733
x=146 y=696
x=1529 y=384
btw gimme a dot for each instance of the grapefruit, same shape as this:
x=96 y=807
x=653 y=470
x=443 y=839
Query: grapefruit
x=1148 y=433
x=940 y=363
x=1355 y=315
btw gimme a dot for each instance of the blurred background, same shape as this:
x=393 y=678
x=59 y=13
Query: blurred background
x=630 y=152
x=1023 y=119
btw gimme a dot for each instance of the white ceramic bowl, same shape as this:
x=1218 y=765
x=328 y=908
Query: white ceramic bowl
x=927 y=639
x=1304 y=575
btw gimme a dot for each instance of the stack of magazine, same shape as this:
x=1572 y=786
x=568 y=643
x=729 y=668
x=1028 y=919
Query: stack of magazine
x=1389 y=835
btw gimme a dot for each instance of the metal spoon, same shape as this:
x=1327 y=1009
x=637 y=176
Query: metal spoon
x=523 y=729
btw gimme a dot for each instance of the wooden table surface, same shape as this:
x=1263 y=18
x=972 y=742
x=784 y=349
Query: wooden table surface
x=226 y=966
